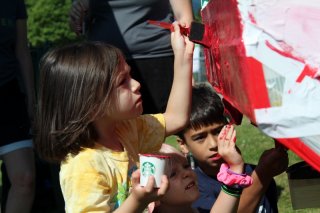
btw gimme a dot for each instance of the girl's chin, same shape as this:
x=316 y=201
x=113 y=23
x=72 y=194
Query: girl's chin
x=194 y=196
x=197 y=196
x=193 y=192
x=188 y=199
x=139 y=107
x=136 y=111
x=140 y=110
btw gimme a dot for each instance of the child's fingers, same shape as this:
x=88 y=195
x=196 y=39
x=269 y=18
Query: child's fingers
x=176 y=36
x=135 y=177
x=226 y=140
x=226 y=133
x=164 y=185
x=234 y=136
x=182 y=23
x=149 y=187
x=229 y=132
x=190 y=46
x=175 y=27
x=222 y=134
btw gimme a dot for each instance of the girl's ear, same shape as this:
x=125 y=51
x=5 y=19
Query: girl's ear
x=183 y=146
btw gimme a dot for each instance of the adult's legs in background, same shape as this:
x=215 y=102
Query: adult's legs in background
x=4 y=187
x=21 y=173
x=16 y=148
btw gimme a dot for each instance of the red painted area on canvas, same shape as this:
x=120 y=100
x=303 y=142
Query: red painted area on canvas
x=252 y=18
x=240 y=79
x=258 y=90
x=307 y=71
x=225 y=60
x=286 y=54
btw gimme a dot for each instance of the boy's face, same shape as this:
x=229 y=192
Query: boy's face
x=183 y=187
x=203 y=144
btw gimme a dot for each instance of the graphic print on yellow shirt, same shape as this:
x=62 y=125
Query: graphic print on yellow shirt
x=121 y=195
x=97 y=178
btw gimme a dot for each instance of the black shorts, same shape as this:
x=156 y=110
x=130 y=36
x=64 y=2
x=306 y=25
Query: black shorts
x=14 y=120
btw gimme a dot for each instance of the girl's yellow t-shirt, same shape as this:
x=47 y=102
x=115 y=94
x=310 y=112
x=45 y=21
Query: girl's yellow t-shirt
x=98 y=179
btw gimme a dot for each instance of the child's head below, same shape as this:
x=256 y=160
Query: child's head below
x=183 y=189
x=206 y=121
x=82 y=84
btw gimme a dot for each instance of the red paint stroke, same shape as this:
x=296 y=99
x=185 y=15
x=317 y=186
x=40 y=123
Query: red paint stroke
x=307 y=71
x=225 y=58
x=169 y=26
x=284 y=53
x=223 y=133
x=302 y=150
x=235 y=139
x=162 y=24
x=252 y=19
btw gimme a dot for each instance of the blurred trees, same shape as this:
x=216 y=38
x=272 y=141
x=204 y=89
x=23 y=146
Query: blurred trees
x=48 y=22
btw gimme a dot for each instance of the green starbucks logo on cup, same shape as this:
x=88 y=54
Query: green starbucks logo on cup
x=152 y=165
x=148 y=169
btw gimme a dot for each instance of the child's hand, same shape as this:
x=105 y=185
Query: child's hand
x=273 y=162
x=227 y=149
x=147 y=194
x=180 y=43
x=140 y=197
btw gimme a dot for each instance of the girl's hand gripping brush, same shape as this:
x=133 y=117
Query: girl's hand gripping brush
x=197 y=32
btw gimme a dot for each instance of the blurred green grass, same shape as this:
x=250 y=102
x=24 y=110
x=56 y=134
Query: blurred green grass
x=252 y=142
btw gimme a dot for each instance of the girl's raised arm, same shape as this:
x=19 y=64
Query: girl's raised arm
x=179 y=104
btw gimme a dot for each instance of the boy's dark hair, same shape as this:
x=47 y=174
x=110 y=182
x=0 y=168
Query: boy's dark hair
x=207 y=108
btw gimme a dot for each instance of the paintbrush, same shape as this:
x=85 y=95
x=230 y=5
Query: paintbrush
x=197 y=32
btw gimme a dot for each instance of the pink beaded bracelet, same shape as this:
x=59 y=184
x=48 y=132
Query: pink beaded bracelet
x=232 y=179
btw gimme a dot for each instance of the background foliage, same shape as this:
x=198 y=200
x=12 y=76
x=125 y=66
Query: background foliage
x=48 y=22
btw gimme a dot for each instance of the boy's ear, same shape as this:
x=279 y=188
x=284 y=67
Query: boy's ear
x=183 y=146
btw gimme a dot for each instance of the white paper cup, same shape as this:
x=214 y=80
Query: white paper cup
x=152 y=165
